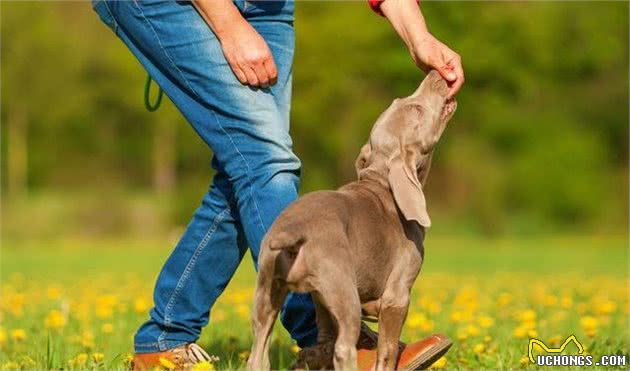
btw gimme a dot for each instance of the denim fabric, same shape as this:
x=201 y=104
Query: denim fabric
x=257 y=173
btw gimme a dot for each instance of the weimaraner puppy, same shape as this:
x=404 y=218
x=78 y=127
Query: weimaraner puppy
x=358 y=249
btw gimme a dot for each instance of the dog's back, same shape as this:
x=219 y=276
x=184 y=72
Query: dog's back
x=325 y=225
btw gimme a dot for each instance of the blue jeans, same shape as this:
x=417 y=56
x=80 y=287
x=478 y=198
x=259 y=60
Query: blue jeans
x=257 y=173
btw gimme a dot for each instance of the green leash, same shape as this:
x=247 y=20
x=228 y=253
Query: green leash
x=147 y=90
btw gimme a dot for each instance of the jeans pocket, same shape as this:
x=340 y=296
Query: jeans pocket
x=101 y=8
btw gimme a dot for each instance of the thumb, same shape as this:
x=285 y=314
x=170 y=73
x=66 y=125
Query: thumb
x=447 y=72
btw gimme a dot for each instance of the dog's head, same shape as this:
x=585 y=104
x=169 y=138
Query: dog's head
x=402 y=140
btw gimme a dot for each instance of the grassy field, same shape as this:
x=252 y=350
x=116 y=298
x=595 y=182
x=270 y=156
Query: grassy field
x=75 y=304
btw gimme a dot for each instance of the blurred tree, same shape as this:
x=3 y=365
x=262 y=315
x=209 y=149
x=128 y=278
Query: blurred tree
x=539 y=140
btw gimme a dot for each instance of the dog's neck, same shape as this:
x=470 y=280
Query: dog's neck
x=373 y=175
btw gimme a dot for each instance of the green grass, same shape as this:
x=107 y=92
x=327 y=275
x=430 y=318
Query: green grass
x=477 y=291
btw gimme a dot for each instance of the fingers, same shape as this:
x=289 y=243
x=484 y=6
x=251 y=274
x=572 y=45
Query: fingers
x=459 y=72
x=446 y=70
x=272 y=71
x=258 y=73
x=238 y=72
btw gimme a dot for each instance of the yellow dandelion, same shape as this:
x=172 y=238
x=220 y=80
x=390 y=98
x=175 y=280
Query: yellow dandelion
x=166 y=363
x=10 y=365
x=81 y=359
x=527 y=315
x=203 y=366
x=554 y=340
x=524 y=361
x=18 y=334
x=218 y=315
x=53 y=292
x=549 y=300
x=520 y=332
x=98 y=357
x=566 y=302
x=504 y=299
x=55 y=320
x=243 y=311
x=87 y=339
x=472 y=330
x=295 y=349
x=532 y=333
x=485 y=321
x=107 y=328
x=487 y=338
x=3 y=337
x=479 y=348
x=420 y=321
x=589 y=325
x=440 y=363
x=15 y=304
x=140 y=305
x=128 y=359
x=605 y=307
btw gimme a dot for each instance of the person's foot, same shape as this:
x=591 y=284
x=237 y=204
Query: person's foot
x=415 y=356
x=181 y=358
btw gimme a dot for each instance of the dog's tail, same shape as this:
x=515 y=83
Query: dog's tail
x=290 y=241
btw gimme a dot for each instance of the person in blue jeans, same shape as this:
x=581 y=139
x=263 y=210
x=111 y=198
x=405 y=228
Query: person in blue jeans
x=227 y=66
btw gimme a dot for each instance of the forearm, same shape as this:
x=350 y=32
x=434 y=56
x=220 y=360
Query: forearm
x=406 y=18
x=220 y=15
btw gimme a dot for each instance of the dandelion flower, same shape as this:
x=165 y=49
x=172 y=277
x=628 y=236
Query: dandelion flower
x=167 y=363
x=3 y=337
x=55 y=320
x=527 y=316
x=295 y=349
x=440 y=363
x=589 y=325
x=53 y=292
x=472 y=330
x=18 y=334
x=98 y=357
x=203 y=366
x=485 y=321
x=479 y=348
x=81 y=359
x=140 y=305
x=605 y=307
x=10 y=365
x=524 y=361
x=107 y=328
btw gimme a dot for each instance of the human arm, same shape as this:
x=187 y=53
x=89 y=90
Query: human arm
x=426 y=51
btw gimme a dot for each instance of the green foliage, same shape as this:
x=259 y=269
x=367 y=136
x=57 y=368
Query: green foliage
x=539 y=140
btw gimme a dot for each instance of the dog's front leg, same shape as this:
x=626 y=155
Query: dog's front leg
x=392 y=314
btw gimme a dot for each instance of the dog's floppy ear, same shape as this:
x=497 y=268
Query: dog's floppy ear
x=403 y=180
x=364 y=156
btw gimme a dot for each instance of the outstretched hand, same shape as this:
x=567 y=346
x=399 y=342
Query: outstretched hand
x=429 y=53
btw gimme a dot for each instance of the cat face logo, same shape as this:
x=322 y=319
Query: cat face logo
x=544 y=347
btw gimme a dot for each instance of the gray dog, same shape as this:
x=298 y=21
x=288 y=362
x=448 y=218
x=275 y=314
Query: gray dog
x=360 y=248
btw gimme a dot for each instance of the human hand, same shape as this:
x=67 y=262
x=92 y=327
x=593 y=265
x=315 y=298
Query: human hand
x=248 y=55
x=429 y=53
